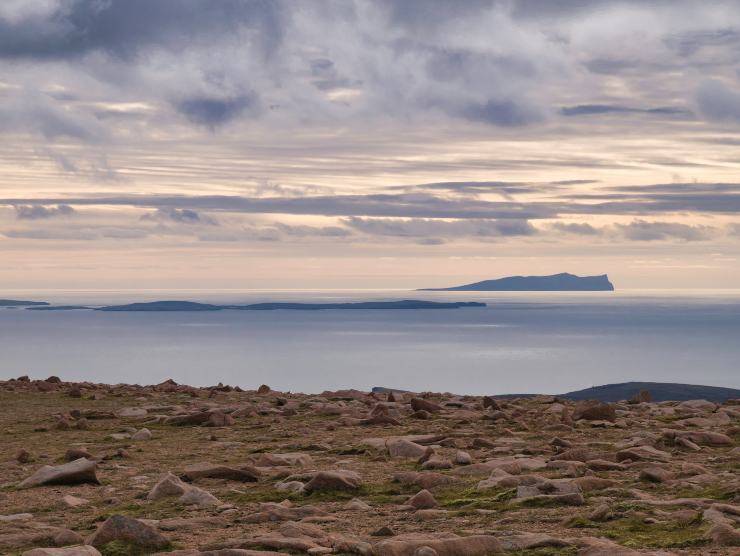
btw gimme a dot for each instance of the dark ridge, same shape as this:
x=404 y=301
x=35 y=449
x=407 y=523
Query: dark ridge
x=17 y=303
x=192 y=306
x=556 y=282
x=659 y=391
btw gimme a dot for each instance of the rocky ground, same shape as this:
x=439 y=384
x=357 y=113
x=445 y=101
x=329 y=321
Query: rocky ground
x=169 y=469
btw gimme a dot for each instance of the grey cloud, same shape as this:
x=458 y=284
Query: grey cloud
x=690 y=42
x=679 y=188
x=641 y=230
x=412 y=204
x=440 y=228
x=39 y=212
x=123 y=27
x=313 y=231
x=718 y=102
x=576 y=229
x=214 y=112
x=507 y=113
x=76 y=234
x=408 y=205
x=596 y=109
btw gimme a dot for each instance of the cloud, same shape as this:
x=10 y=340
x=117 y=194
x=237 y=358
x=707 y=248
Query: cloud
x=508 y=113
x=214 y=112
x=122 y=28
x=181 y=216
x=426 y=228
x=599 y=109
x=576 y=229
x=641 y=230
x=718 y=102
x=39 y=212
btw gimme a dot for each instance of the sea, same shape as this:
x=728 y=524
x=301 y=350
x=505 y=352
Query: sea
x=521 y=342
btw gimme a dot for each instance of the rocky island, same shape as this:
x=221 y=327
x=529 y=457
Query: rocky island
x=556 y=282
x=90 y=469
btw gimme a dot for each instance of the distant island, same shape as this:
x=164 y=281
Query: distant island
x=556 y=282
x=192 y=306
x=18 y=303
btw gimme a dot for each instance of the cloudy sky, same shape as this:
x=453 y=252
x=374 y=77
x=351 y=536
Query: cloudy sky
x=368 y=144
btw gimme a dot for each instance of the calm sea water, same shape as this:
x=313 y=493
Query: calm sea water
x=521 y=342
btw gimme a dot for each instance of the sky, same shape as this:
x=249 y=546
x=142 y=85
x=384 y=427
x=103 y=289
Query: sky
x=192 y=144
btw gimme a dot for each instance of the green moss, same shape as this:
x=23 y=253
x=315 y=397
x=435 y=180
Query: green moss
x=635 y=533
x=472 y=498
x=580 y=522
x=546 y=551
x=121 y=548
x=715 y=492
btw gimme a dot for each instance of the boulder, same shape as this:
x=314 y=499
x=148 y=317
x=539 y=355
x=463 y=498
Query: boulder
x=73 y=473
x=420 y=404
x=246 y=474
x=422 y=500
x=427 y=480
x=129 y=530
x=142 y=434
x=333 y=480
x=656 y=474
x=647 y=453
x=594 y=411
x=463 y=458
x=170 y=485
x=724 y=535
x=402 y=448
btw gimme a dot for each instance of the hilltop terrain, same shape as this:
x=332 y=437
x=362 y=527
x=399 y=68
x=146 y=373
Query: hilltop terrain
x=172 y=469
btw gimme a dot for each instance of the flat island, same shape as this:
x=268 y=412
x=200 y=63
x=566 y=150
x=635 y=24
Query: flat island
x=375 y=305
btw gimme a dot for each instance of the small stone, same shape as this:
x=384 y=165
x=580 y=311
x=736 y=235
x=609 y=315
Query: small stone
x=23 y=456
x=383 y=532
x=358 y=505
x=73 y=501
